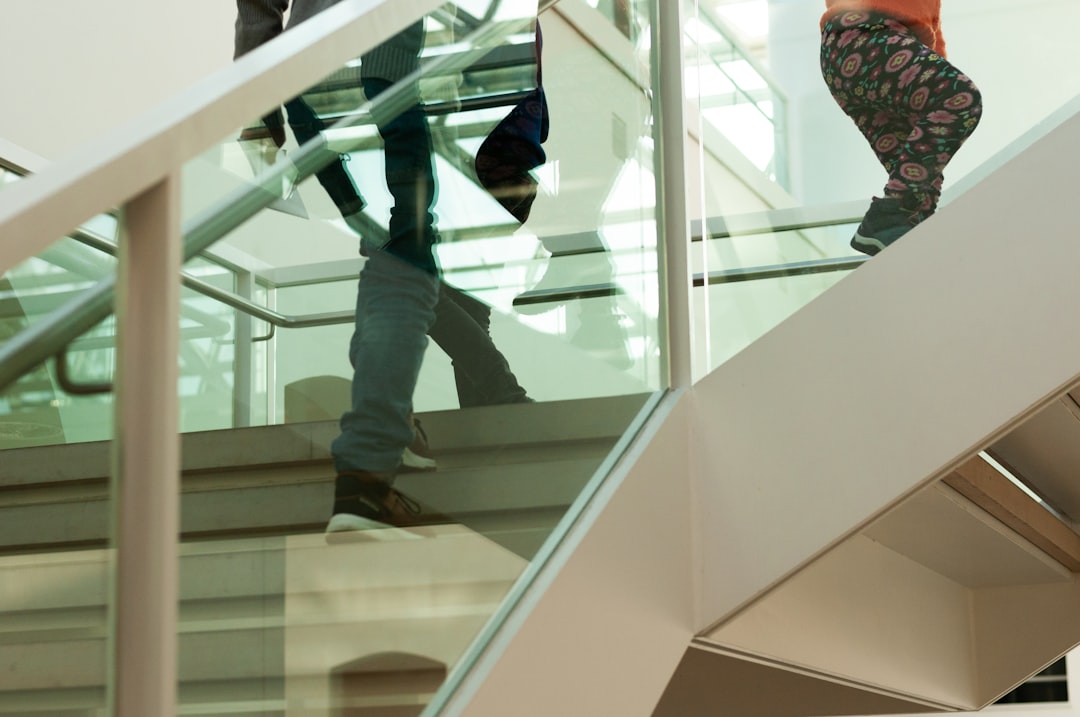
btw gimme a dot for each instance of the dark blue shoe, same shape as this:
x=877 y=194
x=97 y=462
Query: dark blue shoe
x=885 y=221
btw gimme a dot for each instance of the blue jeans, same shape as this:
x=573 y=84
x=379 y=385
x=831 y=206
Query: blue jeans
x=334 y=177
x=462 y=329
x=395 y=303
x=395 y=307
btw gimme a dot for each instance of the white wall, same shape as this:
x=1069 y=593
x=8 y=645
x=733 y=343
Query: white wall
x=75 y=68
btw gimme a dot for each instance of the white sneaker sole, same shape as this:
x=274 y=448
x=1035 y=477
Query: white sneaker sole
x=867 y=245
x=348 y=528
x=412 y=463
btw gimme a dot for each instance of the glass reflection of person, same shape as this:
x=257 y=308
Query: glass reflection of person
x=398 y=296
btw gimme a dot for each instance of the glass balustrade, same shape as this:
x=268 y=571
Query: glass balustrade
x=49 y=595
x=56 y=422
x=575 y=283
x=766 y=251
x=737 y=97
x=545 y=349
x=71 y=393
x=750 y=281
x=38 y=410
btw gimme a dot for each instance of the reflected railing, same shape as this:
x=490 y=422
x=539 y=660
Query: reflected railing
x=736 y=94
x=811 y=226
x=77 y=407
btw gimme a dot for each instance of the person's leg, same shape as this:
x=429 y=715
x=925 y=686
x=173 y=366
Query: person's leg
x=481 y=371
x=410 y=178
x=257 y=22
x=914 y=108
x=947 y=107
x=333 y=176
x=395 y=308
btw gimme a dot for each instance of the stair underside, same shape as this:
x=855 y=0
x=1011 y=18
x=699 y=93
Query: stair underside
x=927 y=581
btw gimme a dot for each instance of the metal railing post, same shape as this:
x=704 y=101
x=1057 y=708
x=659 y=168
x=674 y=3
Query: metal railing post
x=146 y=457
x=670 y=161
x=243 y=355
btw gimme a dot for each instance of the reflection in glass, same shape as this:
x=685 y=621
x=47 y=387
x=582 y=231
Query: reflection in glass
x=543 y=350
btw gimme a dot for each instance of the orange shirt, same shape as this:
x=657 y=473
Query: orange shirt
x=923 y=17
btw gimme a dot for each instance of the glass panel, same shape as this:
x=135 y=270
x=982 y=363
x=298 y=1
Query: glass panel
x=580 y=270
x=55 y=511
x=730 y=85
x=32 y=291
x=73 y=265
x=757 y=279
x=542 y=348
x=56 y=426
x=757 y=50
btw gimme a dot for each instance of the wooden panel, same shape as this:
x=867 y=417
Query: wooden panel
x=980 y=483
x=1044 y=452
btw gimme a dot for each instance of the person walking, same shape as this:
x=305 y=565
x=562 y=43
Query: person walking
x=398 y=294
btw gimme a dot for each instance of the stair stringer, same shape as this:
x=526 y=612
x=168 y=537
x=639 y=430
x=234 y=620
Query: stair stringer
x=607 y=619
x=883 y=384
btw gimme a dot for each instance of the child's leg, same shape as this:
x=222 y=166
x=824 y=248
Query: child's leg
x=945 y=108
x=913 y=106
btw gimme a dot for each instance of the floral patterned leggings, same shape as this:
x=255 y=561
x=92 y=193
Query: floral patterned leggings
x=913 y=106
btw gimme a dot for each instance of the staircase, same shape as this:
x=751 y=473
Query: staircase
x=269 y=611
x=852 y=550
x=813 y=529
x=893 y=558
